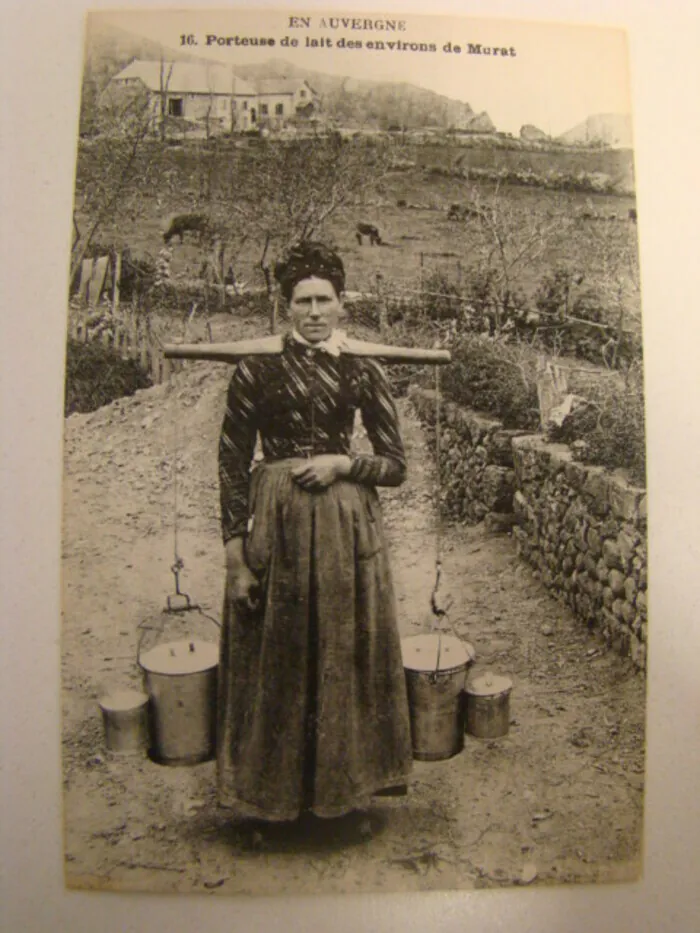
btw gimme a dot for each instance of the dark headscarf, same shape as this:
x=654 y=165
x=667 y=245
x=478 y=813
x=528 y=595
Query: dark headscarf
x=306 y=260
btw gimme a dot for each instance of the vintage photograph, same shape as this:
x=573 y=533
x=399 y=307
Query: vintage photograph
x=354 y=551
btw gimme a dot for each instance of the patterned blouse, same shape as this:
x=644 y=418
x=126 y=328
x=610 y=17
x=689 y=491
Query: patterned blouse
x=302 y=402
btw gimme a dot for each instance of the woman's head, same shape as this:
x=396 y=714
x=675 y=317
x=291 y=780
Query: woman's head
x=312 y=281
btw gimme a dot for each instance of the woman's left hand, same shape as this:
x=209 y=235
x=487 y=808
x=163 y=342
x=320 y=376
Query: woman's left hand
x=321 y=471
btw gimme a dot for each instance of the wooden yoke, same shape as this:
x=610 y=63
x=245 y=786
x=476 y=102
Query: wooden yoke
x=270 y=346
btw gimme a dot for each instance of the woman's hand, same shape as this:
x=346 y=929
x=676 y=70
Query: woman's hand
x=322 y=471
x=243 y=589
x=242 y=586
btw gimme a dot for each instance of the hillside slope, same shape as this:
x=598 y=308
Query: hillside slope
x=612 y=129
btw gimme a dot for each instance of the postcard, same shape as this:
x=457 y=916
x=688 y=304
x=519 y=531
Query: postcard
x=354 y=538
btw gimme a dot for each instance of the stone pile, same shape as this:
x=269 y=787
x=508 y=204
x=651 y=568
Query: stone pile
x=584 y=531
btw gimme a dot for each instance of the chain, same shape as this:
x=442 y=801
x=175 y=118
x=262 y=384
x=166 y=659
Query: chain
x=177 y=560
x=438 y=457
x=178 y=563
x=438 y=612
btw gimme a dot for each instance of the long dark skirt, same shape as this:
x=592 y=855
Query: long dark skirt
x=312 y=706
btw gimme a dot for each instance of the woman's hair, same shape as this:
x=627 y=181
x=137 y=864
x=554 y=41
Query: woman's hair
x=306 y=260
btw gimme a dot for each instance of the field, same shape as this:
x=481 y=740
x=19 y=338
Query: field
x=589 y=233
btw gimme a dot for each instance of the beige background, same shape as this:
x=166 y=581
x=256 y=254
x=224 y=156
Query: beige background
x=40 y=66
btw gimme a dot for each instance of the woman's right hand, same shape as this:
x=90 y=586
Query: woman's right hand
x=242 y=586
x=243 y=589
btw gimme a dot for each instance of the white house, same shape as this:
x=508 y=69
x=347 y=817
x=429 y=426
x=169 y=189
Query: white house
x=280 y=100
x=214 y=98
x=200 y=93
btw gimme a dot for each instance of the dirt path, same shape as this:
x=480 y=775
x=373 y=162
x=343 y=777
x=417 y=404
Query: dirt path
x=561 y=795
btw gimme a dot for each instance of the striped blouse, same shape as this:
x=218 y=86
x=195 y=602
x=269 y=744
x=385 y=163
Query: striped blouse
x=302 y=402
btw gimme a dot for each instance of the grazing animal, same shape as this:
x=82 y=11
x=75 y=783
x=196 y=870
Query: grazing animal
x=370 y=231
x=462 y=212
x=187 y=223
x=632 y=214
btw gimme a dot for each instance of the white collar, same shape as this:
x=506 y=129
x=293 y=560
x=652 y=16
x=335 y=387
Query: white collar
x=332 y=344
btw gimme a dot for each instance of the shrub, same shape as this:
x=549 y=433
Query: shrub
x=493 y=377
x=96 y=376
x=441 y=298
x=609 y=430
x=491 y=304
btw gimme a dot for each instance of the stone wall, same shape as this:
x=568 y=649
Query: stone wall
x=581 y=528
x=477 y=473
x=584 y=531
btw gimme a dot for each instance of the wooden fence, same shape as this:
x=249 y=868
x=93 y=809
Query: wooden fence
x=129 y=334
x=96 y=315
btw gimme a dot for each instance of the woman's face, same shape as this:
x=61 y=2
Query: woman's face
x=315 y=309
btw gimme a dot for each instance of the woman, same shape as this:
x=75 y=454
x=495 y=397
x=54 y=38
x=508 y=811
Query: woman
x=313 y=712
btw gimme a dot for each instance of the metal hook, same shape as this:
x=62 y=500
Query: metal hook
x=433 y=596
x=439 y=611
x=179 y=601
x=175 y=570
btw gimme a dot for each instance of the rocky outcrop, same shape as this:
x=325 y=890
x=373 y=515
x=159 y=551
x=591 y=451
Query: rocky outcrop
x=481 y=123
x=532 y=134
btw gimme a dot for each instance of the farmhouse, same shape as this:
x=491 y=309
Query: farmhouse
x=212 y=97
x=283 y=99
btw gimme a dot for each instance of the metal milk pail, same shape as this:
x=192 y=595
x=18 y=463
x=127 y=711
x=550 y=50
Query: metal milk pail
x=436 y=667
x=488 y=705
x=125 y=717
x=181 y=680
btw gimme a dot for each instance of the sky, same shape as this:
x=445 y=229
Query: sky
x=558 y=76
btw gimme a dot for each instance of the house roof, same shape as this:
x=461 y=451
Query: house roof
x=282 y=85
x=188 y=78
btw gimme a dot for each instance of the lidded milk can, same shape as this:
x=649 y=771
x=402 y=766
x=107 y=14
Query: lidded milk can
x=436 y=667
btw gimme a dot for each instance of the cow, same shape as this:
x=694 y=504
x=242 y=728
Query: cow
x=187 y=223
x=632 y=214
x=370 y=231
x=463 y=211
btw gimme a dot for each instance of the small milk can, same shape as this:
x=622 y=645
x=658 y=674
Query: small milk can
x=181 y=680
x=488 y=705
x=125 y=717
x=436 y=668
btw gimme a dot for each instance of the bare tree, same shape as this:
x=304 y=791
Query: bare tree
x=280 y=192
x=507 y=238
x=209 y=114
x=613 y=269
x=114 y=170
x=299 y=186
x=165 y=74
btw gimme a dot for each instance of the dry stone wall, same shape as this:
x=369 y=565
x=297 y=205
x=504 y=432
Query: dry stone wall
x=581 y=528
x=477 y=473
x=584 y=531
